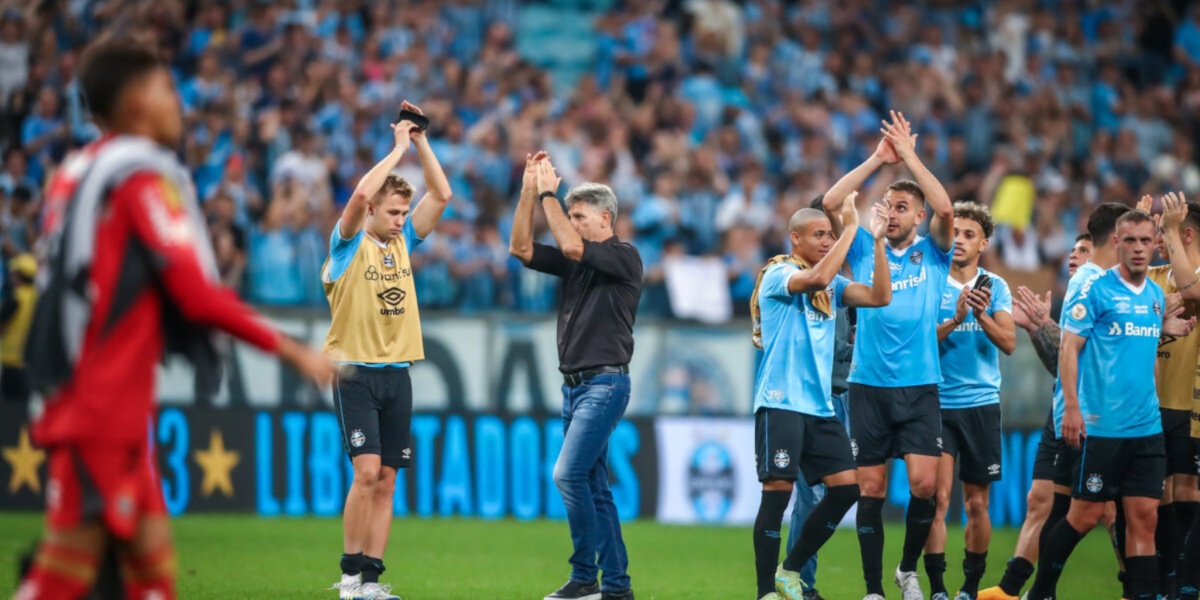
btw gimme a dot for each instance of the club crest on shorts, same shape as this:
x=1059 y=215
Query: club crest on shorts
x=389 y=261
x=916 y=257
x=782 y=460
x=854 y=447
x=357 y=438
x=1095 y=483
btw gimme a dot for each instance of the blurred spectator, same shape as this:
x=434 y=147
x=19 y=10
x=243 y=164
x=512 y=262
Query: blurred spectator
x=16 y=313
x=743 y=110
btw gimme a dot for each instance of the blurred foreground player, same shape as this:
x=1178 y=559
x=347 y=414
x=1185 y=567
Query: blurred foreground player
x=128 y=277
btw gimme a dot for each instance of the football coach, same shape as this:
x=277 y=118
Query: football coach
x=602 y=283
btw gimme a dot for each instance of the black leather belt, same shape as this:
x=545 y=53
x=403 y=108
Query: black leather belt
x=574 y=379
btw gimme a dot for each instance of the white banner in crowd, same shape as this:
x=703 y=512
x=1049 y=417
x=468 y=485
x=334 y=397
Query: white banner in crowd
x=690 y=284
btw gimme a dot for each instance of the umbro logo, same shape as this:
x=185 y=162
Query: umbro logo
x=392 y=296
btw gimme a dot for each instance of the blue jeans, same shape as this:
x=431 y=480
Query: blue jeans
x=808 y=497
x=591 y=410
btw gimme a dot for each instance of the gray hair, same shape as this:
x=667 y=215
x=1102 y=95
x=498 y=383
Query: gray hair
x=596 y=194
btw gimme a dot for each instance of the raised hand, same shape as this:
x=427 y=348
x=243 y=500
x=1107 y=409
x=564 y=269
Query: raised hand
x=961 y=307
x=415 y=133
x=547 y=179
x=1020 y=317
x=979 y=300
x=1146 y=204
x=1173 y=324
x=850 y=212
x=1036 y=308
x=879 y=218
x=1174 y=210
x=529 y=177
x=885 y=152
x=402 y=132
x=899 y=133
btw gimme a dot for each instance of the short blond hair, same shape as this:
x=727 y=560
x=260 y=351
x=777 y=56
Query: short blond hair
x=394 y=184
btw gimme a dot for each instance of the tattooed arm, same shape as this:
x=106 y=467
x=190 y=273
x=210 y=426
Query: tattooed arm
x=1046 y=340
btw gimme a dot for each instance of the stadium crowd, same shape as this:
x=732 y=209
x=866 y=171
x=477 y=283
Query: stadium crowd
x=713 y=120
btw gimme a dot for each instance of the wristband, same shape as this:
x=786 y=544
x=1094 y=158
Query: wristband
x=547 y=194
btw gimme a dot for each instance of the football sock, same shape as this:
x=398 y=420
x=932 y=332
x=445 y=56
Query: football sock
x=1058 y=547
x=918 y=522
x=767 y=538
x=821 y=523
x=935 y=568
x=372 y=568
x=870 y=542
x=1142 y=573
x=352 y=564
x=1163 y=538
x=974 y=565
x=1016 y=575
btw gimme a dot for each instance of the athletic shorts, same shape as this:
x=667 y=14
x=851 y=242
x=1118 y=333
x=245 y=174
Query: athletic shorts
x=893 y=422
x=972 y=437
x=1177 y=435
x=116 y=485
x=374 y=408
x=1047 y=449
x=789 y=445
x=1111 y=468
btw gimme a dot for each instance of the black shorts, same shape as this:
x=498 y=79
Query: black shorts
x=892 y=422
x=1047 y=449
x=1065 y=459
x=1177 y=436
x=1112 y=468
x=972 y=437
x=374 y=408
x=789 y=445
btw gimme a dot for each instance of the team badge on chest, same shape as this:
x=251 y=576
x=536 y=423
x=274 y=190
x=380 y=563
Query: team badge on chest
x=916 y=257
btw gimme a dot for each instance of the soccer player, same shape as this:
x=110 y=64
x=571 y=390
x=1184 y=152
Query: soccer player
x=976 y=325
x=894 y=410
x=1049 y=495
x=796 y=431
x=1110 y=409
x=602 y=284
x=130 y=275
x=376 y=329
x=807 y=496
x=1179 y=243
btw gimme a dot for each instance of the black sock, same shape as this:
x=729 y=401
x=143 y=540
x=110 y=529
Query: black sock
x=870 y=542
x=1143 y=577
x=352 y=563
x=935 y=568
x=1189 y=579
x=1120 y=528
x=821 y=524
x=1016 y=575
x=767 y=538
x=917 y=524
x=974 y=566
x=372 y=569
x=1058 y=547
x=1058 y=512
x=1163 y=536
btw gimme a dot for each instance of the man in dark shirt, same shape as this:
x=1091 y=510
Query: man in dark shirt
x=602 y=283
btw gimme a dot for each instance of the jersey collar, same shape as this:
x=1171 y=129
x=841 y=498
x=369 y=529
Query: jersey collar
x=1135 y=289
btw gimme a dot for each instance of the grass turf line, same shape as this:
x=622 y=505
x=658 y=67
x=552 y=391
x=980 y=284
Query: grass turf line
x=243 y=556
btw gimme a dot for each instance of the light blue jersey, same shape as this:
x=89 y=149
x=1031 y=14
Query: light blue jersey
x=1082 y=275
x=1122 y=324
x=896 y=345
x=970 y=361
x=796 y=372
x=342 y=251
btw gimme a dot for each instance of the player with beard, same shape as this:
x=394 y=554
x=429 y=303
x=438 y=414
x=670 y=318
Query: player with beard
x=894 y=409
x=1110 y=410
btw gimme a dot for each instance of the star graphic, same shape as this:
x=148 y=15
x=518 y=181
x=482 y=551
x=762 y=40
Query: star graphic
x=218 y=464
x=25 y=460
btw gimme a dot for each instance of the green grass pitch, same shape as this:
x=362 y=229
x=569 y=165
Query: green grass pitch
x=225 y=556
